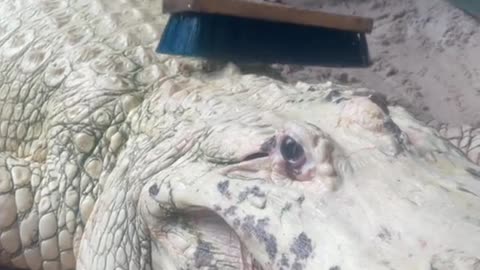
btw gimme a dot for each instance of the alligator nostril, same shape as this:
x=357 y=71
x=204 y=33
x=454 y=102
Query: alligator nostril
x=291 y=150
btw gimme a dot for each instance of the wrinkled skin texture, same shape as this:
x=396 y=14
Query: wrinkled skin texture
x=112 y=157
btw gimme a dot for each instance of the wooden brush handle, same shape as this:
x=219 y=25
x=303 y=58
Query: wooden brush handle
x=271 y=12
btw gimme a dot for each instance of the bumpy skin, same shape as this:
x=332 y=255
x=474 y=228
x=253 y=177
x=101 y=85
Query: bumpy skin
x=112 y=157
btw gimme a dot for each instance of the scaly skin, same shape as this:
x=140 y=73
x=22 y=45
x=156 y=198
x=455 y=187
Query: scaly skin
x=104 y=145
x=70 y=74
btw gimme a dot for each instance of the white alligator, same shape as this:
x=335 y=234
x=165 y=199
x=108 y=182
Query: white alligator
x=114 y=157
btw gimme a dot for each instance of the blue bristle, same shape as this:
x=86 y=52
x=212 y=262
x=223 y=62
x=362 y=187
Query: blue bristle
x=245 y=40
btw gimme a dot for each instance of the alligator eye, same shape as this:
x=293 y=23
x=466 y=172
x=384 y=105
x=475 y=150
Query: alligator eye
x=291 y=150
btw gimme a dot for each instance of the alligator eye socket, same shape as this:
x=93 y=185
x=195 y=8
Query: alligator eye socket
x=291 y=150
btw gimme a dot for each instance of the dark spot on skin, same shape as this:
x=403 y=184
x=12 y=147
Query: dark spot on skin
x=153 y=190
x=301 y=199
x=473 y=172
x=217 y=208
x=385 y=234
x=297 y=266
x=258 y=229
x=284 y=261
x=203 y=254
x=236 y=223
x=255 y=191
x=302 y=246
x=381 y=101
x=285 y=209
x=269 y=145
x=466 y=191
x=335 y=268
x=230 y=211
x=222 y=187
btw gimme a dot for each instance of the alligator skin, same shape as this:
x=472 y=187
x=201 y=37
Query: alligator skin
x=113 y=157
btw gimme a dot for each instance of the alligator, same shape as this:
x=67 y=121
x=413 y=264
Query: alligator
x=114 y=157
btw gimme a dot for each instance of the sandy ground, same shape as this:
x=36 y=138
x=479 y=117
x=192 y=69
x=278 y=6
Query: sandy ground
x=425 y=54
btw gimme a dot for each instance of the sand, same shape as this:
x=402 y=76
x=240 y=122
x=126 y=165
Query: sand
x=425 y=56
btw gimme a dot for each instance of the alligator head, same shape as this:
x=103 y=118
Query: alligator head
x=230 y=171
